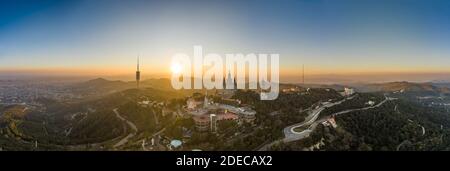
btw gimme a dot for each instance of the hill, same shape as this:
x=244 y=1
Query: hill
x=404 y=87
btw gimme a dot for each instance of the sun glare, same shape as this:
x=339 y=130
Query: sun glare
x=176 y=68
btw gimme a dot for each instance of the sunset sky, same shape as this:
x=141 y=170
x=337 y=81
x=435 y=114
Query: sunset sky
x=335 y=37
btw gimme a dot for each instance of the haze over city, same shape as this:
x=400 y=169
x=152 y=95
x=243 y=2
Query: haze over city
x=337 y=41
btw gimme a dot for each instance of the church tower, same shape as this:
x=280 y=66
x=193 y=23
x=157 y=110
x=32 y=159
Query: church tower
x=230 y=82
x=206 y=102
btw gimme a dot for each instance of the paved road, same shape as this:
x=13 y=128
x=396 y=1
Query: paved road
x=311 y=121
x=131 y=124
x=402 y=144
x=292 y=135
x=155 y=116
x=155 y=135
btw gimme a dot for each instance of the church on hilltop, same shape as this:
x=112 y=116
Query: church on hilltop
x=229 y=86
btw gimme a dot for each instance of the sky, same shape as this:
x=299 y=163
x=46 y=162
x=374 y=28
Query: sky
x=334 y=39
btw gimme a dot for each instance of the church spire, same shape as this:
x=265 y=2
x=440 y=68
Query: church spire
x=205 y=102
x=230 y=82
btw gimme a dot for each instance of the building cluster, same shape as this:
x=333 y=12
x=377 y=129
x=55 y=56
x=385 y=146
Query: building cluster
x=291 y=90
x=29 y=92
x=348 y=91
x=330 y=122
x=150 y=103
x=206 y=114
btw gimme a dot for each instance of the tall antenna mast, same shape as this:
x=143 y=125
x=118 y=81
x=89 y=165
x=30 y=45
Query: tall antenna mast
x=138 y=73
x=303 y=77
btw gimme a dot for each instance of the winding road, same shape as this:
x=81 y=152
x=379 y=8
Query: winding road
x=291 y=135
x=311 y=121
x=131 y=124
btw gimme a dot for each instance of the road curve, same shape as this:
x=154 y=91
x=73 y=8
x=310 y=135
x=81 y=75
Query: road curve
x=129 y=123
x=292 y=135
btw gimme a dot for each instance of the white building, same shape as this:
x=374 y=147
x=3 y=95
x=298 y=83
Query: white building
x=371 y=103
x=192 y=103
x=348 y=91
x=175 y=144
x=330 y=122
x=144 y=103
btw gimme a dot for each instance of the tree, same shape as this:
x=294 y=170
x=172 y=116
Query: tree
x=364 y=147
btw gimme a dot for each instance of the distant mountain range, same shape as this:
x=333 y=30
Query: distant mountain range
x=437 y=88
x=102 y=86
x=427 y=87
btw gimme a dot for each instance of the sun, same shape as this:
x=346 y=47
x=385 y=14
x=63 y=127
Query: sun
x=176 y=68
